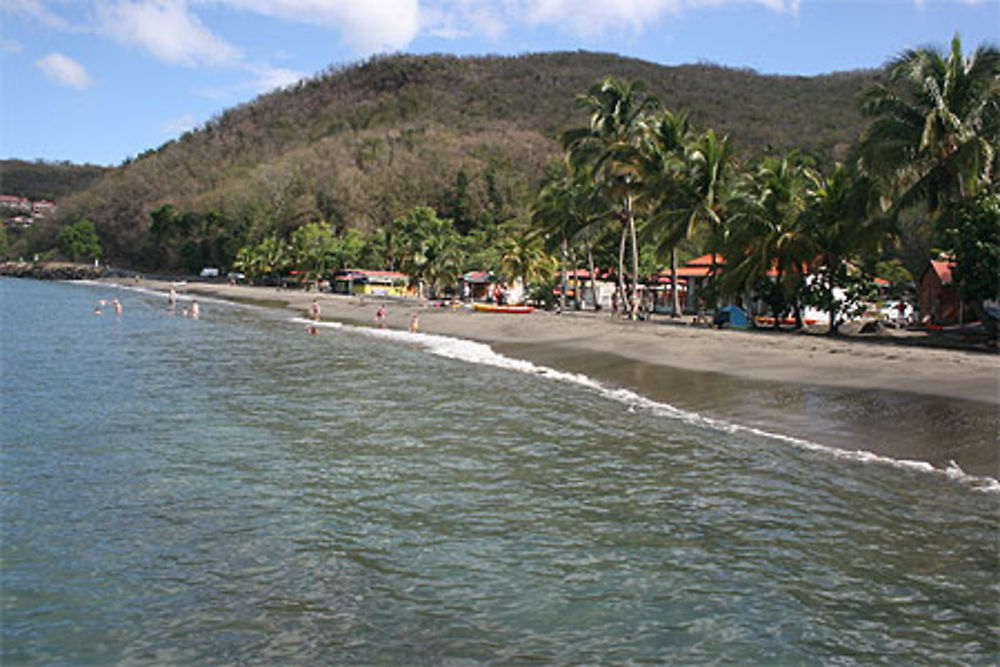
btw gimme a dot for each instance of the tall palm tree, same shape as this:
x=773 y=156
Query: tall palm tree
x=665 y=175
x=609 y=146
x=936 y=125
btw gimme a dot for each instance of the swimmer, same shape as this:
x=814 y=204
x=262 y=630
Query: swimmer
x=194 y=309
x=313 y=330
x=101 y=303
x=97 y=310
x=118 y=306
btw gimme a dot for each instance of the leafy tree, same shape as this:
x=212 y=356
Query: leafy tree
x=79 y=241
x=312 y=251
x=5 y=252
x=428 y=247
x=970 y=233
x=844 y=222
x=769 y=235
x=936 y=126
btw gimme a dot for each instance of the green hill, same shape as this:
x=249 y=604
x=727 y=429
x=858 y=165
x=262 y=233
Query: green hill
x=358 y=146
x=46 y=180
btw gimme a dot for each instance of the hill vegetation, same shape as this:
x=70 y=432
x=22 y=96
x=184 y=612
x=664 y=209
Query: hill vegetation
x=471 y=138
x=50 y=181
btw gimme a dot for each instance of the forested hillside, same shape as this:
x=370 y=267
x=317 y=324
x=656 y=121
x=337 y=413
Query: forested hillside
x=469 y=137
x=46 y=180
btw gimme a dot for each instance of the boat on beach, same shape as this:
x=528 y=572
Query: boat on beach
x=494 y=308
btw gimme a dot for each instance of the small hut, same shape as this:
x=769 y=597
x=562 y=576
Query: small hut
x=939 y=300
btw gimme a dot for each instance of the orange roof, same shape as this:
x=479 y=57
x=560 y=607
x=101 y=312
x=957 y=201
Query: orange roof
x=706 y=260
x=943 y=269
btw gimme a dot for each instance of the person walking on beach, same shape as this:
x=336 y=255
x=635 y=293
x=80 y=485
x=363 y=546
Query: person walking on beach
x=380 y=316
x=415 y=324
x=314 y=310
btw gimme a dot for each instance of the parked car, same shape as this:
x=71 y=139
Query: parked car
x=209 y=272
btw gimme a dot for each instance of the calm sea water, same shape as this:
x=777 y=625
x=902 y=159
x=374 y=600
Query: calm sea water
x=232 y=490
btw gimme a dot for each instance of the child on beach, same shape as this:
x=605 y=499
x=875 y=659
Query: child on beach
x=380 y=316
x=415 y=324
x=314 y=311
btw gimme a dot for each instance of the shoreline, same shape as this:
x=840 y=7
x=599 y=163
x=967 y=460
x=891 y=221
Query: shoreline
x=905 y=403
x=756 y=355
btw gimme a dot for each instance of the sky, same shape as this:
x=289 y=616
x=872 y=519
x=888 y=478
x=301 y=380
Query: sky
x=101 y=81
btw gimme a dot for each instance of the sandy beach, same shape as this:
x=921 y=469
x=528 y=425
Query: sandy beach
x=600 y=346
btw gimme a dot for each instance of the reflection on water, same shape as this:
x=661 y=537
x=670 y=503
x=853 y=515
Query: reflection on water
x=233 y=490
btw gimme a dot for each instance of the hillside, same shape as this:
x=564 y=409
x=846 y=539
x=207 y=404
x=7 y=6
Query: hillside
x=359 y=146
x=46 y=180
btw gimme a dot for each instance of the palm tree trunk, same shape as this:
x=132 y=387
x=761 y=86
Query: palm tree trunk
x=562 y=291
x=634 y=304
x=593 y=281
x=674 y=297
x=621 y=269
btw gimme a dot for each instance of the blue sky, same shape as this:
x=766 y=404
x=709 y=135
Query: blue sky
x=99 y=81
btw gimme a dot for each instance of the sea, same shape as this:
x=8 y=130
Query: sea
x=233 y=490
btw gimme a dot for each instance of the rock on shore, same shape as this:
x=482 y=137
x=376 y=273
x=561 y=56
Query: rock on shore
x=52 y=270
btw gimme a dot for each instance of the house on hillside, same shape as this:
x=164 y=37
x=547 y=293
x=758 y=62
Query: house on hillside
x=938 y=298
x=371 y=283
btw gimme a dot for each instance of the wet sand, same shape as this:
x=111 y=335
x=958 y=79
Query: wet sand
x=935 y=405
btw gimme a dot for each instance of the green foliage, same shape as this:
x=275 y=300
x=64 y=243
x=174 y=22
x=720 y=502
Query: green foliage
x=5 y=250
x=78 y=242
x=970 y=233
x=428 y=248
x=47 y=180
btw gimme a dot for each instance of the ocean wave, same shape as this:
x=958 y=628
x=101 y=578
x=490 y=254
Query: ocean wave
x=482 y=354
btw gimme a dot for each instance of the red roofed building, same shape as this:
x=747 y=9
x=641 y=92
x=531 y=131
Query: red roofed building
x=938 y=298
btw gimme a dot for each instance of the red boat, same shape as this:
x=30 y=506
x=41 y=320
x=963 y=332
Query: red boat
x=493 y=308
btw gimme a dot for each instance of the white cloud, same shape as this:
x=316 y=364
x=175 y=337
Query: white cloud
x=167 y=30
x=10 y=46
x=36 y=10
x=269 y=78
x=367 y=26
x=64 y=70
x=593 y=18
x=180 y=124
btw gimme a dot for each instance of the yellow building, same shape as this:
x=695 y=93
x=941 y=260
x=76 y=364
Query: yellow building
x=371 y=283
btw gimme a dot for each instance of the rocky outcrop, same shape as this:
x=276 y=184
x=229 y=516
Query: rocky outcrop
x=52 y=270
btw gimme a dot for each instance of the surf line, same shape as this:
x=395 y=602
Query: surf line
x=480 y=353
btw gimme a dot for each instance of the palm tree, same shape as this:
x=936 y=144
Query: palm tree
x=665 y=175
x=936 y=126
x=609 y=146
x=569 y=211
x=844 y=222
x=769 y=234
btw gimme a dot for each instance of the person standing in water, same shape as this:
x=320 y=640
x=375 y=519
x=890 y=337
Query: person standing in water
x=118 y=306
x=314 y=310
x=172 y=297
x=194 y=309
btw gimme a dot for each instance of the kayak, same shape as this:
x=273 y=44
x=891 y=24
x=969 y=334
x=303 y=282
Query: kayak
x=492 y=308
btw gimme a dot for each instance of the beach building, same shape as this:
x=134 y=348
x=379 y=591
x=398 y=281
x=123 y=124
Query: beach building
x=476 y=285
x=938 y=299
x=362 y=282
x=599 y=291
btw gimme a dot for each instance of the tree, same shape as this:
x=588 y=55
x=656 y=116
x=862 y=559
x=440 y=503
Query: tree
x=935 y=127
x=665 y=175
x=428 y=248
x=770 y=245
x=312 y=250
x=79 y=241
x=609 y=147
x=844 y=222
x=970 y=233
